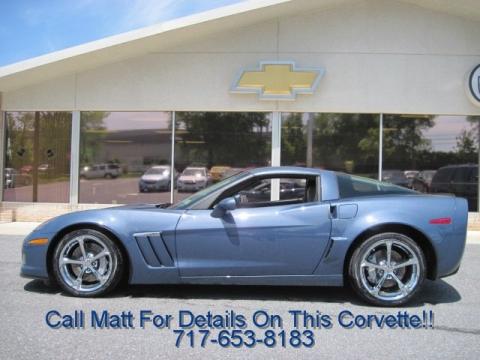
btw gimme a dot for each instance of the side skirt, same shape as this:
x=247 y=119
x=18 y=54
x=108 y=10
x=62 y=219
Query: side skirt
x=296 y=280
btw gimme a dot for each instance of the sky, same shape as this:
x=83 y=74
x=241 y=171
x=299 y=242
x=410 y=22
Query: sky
x=30 y=28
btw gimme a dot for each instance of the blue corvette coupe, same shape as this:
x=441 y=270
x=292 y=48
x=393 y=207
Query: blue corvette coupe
x=382 y=239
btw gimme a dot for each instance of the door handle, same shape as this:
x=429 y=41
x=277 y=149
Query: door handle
x=333 y=211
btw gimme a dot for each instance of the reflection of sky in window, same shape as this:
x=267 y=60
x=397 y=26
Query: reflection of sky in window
x=443 y=135
x=137 y=120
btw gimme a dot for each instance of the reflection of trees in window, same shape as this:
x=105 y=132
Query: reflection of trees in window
x=346 y=142
x=53 y=131
x=93 y=131
x=223 y=138
x=294 y=141
x=404 y=141
x=19 y=139
x=406 y=145
x=38 y=149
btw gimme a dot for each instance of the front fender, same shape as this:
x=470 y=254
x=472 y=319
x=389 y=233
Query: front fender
x=122 y=222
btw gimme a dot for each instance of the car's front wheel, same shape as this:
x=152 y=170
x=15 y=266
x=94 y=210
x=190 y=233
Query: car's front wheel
x=387 y=269
x=87 y=263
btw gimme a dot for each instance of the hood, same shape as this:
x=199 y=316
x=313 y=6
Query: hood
x=191 y=178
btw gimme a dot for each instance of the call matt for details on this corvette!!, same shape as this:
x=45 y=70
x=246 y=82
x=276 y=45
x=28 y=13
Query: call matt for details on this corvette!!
x=326 y=228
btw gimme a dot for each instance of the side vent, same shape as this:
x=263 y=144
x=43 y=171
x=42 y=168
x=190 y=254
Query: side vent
x=153 y=249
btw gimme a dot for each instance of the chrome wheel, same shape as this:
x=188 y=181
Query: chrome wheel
x=390 y=269
x=85 y=263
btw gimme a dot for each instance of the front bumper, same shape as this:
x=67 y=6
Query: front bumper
x=159 y=185
x=190 y=187
x=34 y=257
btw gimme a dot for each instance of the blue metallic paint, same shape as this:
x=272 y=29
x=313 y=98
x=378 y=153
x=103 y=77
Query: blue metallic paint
x=302 y=244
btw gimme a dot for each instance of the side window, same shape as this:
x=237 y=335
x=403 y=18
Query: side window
x=290 y=191
x=353 y=186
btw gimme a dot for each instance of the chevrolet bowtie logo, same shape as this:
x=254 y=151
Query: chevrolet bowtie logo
x=279 y=80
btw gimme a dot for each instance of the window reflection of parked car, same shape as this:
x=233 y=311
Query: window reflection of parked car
x=45 y=168
x=461 y=180
x=26 y=169
x=10 y=178
x=14 y=179
x=232 y=171
x=193 y=179
x=156 y=178
x=289 y=189
x=108 y=171
x=216 y=172
x=410 y=175
x=395 y=177
x=423 y=180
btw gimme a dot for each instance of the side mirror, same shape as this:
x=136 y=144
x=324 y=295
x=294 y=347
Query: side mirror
x=227 y=204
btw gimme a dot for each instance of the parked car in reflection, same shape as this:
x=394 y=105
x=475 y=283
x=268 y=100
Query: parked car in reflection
x=193 y=179
x=157 y=178
x=289 y=189
x=461 y=180
x=216 y=172
x=395 y=177
x=232 y=171
x=10 y=178
x=14 y=179
x=107 y=171
x=423 y=181
x=410 y=175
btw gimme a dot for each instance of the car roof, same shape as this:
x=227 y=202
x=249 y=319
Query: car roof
x=286 y=170
x=195 y=168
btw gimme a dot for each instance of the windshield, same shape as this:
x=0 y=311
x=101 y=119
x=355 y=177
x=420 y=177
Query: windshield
x=189 y=201
x=154 y=171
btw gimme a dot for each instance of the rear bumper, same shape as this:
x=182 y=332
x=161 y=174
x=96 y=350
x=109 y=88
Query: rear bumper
x=450 y=250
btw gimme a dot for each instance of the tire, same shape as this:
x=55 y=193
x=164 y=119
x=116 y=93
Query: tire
x=386 y=282
x=98 y=275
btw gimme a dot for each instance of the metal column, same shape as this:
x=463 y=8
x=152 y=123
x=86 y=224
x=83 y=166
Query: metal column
x=276 y=152
x=3 y=148
x=172 y=160
x=75 y=158
x=380 y=148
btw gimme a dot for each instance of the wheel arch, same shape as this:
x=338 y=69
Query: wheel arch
x=88 y=226
x=416 y=235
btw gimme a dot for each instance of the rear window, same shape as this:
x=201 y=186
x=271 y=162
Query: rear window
x=353 y=186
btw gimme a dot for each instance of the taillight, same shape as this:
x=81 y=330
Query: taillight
x=441 y=221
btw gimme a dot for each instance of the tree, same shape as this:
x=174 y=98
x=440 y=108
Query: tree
x=294 y=143
x=223 y=138
x=92 y=130
x=466 y=143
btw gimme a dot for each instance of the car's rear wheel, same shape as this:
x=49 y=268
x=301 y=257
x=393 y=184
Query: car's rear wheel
x=387 y=269
x=87 y=263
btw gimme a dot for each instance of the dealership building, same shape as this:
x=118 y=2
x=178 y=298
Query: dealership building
x=379 y=88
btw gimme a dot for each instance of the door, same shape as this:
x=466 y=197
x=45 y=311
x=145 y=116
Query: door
x=272 y=240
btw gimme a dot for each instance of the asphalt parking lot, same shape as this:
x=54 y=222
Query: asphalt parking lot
x=455 y=302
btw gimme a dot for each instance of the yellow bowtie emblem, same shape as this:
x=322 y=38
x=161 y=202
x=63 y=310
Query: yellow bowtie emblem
x=278 y=81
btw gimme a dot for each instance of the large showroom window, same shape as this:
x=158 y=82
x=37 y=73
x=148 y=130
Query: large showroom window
x=436 y=154
x=342 y=142
x=37 y=157
x=210 y=146
x=125 y=157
